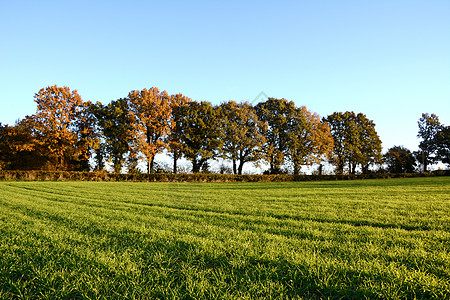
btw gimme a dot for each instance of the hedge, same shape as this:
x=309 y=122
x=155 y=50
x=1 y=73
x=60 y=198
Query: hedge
x=197 y=177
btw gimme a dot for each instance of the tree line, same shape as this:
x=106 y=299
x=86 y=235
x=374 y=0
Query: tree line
x=67 y=133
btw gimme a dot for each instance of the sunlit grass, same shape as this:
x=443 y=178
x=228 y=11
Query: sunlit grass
x=355 y=239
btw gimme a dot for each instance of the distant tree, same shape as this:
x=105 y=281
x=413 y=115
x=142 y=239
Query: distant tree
x=179 y=103
x=277 y=114
x=339 y=126
x=356 y=141
x=151 y=113
x=20 y=148
x=242 y=139
x=88 y=137
x=202 y=136
x=370 y=143
x=400 y=160
x=429 y=126
x=310 y=139
x=442 y=142
x=58 y=109
x=115 y=123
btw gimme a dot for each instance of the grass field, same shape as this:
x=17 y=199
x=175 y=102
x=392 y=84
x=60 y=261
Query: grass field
x=387 y=239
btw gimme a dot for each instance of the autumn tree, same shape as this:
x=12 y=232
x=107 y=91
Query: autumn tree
x=310 y=139
x=151 y=113
x=356 y=142
x=115 y=123
x=201 y=134
x=178 y=103
x=277 y=114
x=58 y=109
x=399 y=160
x=20 y=148
x=429 y=126
x=242 y=137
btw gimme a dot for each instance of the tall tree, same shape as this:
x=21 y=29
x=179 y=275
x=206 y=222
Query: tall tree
x=179 y=103
x=88 y=137
x=337 y=123
x=442 y=141
x=151 y=113
x=115 y=123
x=310 y=139
x=399 y=160
x=429 y=126
x=356 y=141
x=201 y=138
x=370 y=143
x=57 y=111
x=243 y=139
x=277 y=114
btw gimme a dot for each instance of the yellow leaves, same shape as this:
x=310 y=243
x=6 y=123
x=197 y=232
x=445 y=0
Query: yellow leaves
x=151 y=113
x=58 y=109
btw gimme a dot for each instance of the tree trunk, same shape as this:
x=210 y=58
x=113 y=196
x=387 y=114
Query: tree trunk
x=241 y=165
x=424 y=161
x=195 y=166
x=175 y=158
x=296 y=167
x=234 y=167
x=151 y=164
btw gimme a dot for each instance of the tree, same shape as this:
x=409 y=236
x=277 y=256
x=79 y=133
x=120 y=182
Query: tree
x=88 y=136
x=242 y=134
x=442 y=142
x=179 y=103
x=399 y=160
x=151 y=113
x=57 y=111
x=356 y=141
x=310 y=139
x=20 y=148
x=201 y=134
x=115 y=123
x=277 y=114
x=429 y=126
x=370 y=143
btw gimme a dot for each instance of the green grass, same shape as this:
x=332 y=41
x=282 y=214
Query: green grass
x=387 y=239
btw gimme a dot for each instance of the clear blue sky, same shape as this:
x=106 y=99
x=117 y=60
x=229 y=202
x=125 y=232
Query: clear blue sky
x=388 y=59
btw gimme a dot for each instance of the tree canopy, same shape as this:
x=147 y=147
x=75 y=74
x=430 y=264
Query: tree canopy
x=67 y=133
x=356 y=142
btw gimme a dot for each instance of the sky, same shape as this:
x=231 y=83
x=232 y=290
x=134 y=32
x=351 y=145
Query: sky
x=388 y=59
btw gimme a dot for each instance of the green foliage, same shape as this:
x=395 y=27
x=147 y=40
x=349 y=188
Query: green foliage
x=442 y=140
x=429 y=126
x=278 y=114
x=115 y=122
x=385 y=239
x=201 y=133
x=356 y=141
x=400 y=160
x=178 y=104
x=242 y=137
